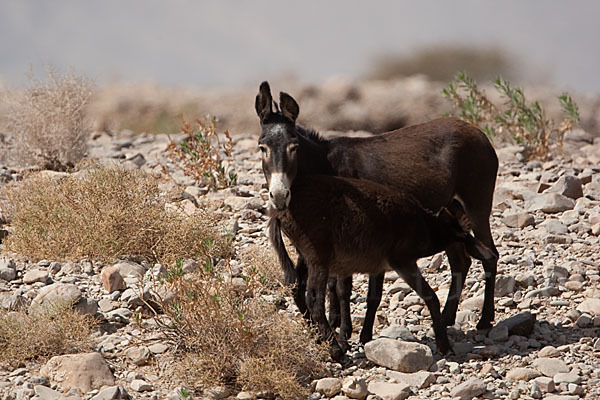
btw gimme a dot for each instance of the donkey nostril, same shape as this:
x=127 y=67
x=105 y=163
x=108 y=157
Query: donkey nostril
x=271 y=195
x=287 y=194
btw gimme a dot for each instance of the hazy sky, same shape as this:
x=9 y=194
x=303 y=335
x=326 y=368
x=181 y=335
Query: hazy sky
x=231 y=43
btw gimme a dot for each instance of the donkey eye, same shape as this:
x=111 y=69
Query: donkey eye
x=263 y=149
x=293 y=148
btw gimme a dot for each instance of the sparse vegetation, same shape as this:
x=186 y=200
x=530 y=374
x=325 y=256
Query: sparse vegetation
x=525 y=123
x=228 y=334
x=48 y=123
x=440 y=63
x=203 y=154
x=104 y=213
x=52 y=331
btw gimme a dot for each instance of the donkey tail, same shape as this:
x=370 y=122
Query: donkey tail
x=285 y=261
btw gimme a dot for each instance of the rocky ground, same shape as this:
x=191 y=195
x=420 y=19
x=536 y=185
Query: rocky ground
x=546 y=223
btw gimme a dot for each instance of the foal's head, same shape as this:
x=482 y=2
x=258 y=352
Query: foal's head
x=278 y=143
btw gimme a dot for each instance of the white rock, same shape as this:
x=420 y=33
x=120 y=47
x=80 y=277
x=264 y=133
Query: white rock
x=467 y=390
x=86 y=371
x=418 y=380
x=591 y=306
x=389 y=391
x=140 y=385
x=329 y=386
x=522 y=374
x=398 y=355
x=550 y=366
x=354 y=387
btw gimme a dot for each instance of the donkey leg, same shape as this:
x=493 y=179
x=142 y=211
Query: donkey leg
x=334 y=302
x=459 y=265
x=299 y=291
x=411 y=274
x=373 y=300
x=317 y=289
x=481 y=230
x=344 y=290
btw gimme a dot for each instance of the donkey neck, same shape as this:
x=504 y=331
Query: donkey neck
x=313 y=153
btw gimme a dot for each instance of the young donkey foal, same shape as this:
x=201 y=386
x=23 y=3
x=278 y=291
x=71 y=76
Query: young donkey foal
x=436 y=162
x=343 y=226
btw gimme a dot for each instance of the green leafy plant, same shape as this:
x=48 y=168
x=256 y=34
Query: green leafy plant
x=526 y=123
x=203 y=154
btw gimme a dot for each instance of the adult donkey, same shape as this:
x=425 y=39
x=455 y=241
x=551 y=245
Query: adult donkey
x=437 y=162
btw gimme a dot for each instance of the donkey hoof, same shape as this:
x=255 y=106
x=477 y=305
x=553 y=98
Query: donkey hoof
x=338 y=355
x=484 y=325
x=344 y=345
x=366 y=338
x=444 y=347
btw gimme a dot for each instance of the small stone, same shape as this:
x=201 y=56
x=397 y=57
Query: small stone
x=498 y=333
x=57 y=293
x=505 y=285
x=590 y=306
x=548 y=352
x=244 y=396
x=86 y=371
x=518 y=220
x=462 y=348
x=158 y=348
x=522 y=374
x=520 y=324
x=106 y=305
x=354 y=387
x=112 y=393
x=112 y=280
x=549 y=203
x=398 y=332
x=550 y=366
x=545 y=384
x=140 y=385
x=218 y=392
x=567 y=185
x=129 y=269
x=418 y=380
x=467 y=390
x=329 y=386
x=389 y=391
x=574 y=286
x=398 y=355
x=139 y=355
x=35 y=275
x=45 y=393
x=566 y=377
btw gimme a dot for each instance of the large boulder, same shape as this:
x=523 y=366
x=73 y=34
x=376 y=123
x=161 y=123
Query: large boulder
x=86 y=371
x=398 y=355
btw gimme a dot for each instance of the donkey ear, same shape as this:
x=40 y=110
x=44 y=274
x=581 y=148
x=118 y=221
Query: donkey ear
x=264 y=101
x=289 y=107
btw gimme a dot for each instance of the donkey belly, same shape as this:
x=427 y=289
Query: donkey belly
x=346 y=264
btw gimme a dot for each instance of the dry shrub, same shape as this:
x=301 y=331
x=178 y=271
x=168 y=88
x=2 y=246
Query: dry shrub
x=105 y=213
x=229 y=335
x=52 y=331
x=263 y=261
x=203 y=155
x=48 y=123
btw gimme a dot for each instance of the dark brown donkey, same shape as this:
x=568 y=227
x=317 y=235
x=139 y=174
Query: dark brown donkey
x=342 y=226
x=437 y=162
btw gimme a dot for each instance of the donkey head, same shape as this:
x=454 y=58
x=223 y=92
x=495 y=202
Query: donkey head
x=454 y=218
x=278 y=144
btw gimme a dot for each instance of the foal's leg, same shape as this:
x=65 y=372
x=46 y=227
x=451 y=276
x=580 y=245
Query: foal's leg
x=459 y=265
x=317 y=288
x=334 y=302
x=344 y=290
x=411 y=274
x=373 y=300
x=299 y=291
